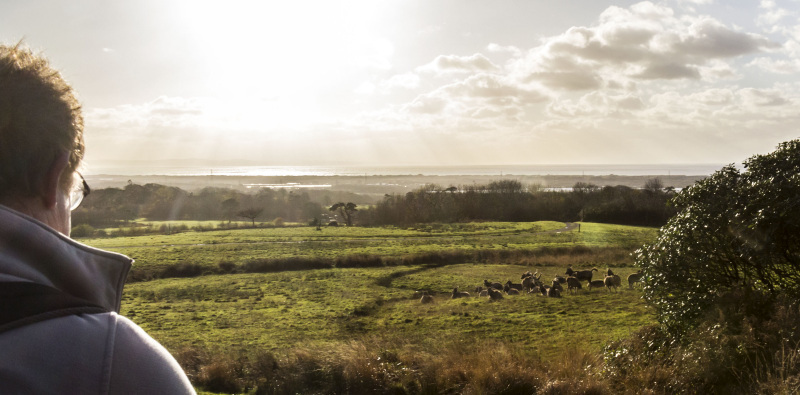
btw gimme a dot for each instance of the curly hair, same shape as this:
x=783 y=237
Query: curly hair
x=40 y=119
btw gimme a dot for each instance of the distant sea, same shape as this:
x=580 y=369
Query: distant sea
x=509 y=170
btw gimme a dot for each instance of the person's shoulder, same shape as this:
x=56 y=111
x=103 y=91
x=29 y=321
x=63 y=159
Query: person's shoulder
x=142 y=365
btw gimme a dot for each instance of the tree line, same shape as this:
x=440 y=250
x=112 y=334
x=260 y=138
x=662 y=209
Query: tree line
x=510 y=200
x=114 y=206
x=504 y=200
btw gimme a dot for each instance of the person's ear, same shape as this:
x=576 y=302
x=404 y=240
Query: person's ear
x=52 y=180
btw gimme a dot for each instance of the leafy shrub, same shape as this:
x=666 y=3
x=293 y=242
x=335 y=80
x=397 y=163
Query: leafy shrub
x=226 y=266
x=82 y=230
x=183 y=269
x=359 y=261
x=731 y=350
x=734 y=230
x=285 y=264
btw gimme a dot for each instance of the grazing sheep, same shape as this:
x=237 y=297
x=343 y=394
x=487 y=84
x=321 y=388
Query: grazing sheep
x=512 y=291
x=584 y=275
x=426 y=298
x=518 y=287
x=526 y=274
x=597 y=284
x=560 y=279
x=544 y=289
x=528 y=283
x=612 y=282
x=609 y=272
x=456 y=294
x=484 y=292
x=496 y=286
x=478 y=289
x=573 y=284
x=553 y=293
x=531 y=281
x=495 y=294
x=635 y=278
x=557 y=286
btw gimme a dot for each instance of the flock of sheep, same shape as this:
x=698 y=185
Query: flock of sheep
x=531 y=283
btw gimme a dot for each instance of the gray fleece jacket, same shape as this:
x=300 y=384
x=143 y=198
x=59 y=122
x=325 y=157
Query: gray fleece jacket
x=78 y=354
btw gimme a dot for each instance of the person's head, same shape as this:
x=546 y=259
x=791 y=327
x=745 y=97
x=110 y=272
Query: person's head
x=41 y=137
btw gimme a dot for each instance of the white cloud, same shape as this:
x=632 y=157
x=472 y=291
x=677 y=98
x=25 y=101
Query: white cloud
x=497 y=48
x=778 y=66
x=645 y=42
x=459 y=64
x=366 y=88
x=404 y=81
x=643 y=76
x=597 y=104
x=751 y=97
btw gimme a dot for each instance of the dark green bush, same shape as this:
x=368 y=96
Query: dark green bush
x=82 y=230
x=734 y=230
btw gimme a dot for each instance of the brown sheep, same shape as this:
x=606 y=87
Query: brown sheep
x=573 y=284
x=543 y=290
x=584 y=275
x=526 y=275
x=531 y=281
x=497 y=286
x=456 y=294
x=597 y=284
x=557 y=286
x=495 y=294
x=553 y=293
x=560 y=279
x=635 y=278
x=612 y=282
x=518 y=287
x=512 y=291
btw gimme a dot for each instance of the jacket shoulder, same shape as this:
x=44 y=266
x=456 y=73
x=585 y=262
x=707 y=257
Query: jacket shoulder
x=139 y=364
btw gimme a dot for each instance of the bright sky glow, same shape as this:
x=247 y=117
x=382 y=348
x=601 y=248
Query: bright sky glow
x=419 y=82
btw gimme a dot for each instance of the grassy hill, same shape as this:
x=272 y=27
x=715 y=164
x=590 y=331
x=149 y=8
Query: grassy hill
x=334 y=329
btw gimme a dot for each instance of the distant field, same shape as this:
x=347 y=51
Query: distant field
x=154 y=253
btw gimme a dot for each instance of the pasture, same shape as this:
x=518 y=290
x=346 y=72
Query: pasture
x=234 y=248
x=324 y=314
x=316 y=308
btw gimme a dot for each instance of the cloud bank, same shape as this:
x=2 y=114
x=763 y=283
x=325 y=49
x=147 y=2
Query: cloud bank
x=642 y=84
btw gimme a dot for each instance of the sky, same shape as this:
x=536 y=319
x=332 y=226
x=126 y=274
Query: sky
x=424 y=82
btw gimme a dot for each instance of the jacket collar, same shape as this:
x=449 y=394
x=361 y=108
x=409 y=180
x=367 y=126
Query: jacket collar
x=32 y=251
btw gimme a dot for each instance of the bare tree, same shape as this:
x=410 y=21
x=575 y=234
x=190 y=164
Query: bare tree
x=251 y=213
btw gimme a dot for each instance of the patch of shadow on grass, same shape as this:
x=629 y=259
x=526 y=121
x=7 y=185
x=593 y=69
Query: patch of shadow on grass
x=386 y=281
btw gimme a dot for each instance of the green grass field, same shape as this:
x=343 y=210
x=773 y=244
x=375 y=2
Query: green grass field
x=154 y=253
x=278 y=311
x=330 y=310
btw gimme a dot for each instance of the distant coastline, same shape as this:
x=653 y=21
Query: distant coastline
x=143 y=169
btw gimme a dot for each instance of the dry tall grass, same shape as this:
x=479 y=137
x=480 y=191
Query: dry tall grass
x=732 y=352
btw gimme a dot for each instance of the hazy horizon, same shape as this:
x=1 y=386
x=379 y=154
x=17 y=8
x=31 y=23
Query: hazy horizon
x=424 y=83
x=181 y=168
